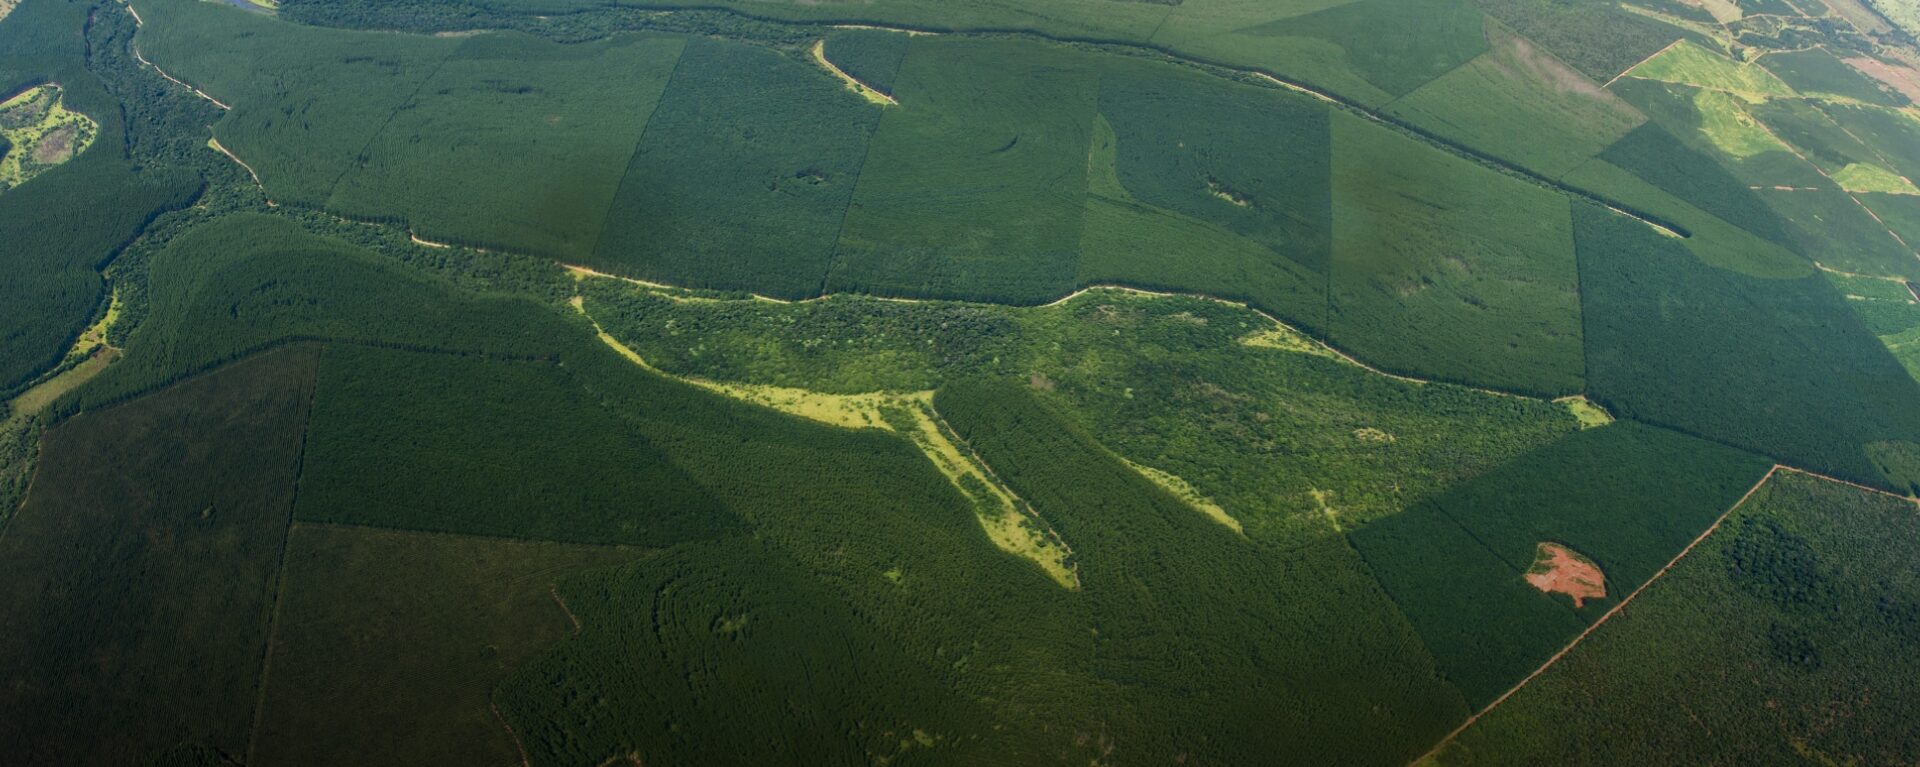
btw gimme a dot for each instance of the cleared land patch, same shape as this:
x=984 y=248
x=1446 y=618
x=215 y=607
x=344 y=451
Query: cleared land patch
x=1865 y=177
x=41 y=133
x=1561 y=570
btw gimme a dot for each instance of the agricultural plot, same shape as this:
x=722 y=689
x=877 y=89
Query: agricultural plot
x=448 y=443
x=1838 y=231
x=1688 y=63
x=307 y=102
x=514 y=142
x=1898 y=212
x=1519 y=102
x=975 y=187
x=1424 y=240
x=1893 y=136
x=1820 y=140
x=1783 y=637
x=1817 y=73
x=1719 y=125
x=390 y=644
x=136 y=590
x=1259 y=165
x=1394 y=46
x=1710 y=239
x=1459 y=565
x=743 y=176
x=1601 y=40
x=1656 y=155
x=1672 y=341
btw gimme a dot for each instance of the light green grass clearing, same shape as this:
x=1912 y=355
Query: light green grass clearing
x=1287 y=339
x=1009 y=523
x=35 y=114
x=1586 y=412
x=1861 y=177
x=1730 y=128
x=1188 y=494
x=1690 y=64
x=36 y=399
x=819 y=52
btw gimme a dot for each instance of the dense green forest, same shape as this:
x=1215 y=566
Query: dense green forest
x=483 y=381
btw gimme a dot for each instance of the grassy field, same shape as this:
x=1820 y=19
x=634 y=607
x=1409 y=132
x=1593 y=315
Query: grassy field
x=138 y=575
x=1414 y=249
x=1691 y=64
x=1781 y=639
x=38 y=132
x=390 y=644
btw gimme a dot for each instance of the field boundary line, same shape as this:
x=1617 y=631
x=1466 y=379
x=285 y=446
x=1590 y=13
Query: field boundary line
x=1564 y=651
x=1636 y=65
x=280 y=567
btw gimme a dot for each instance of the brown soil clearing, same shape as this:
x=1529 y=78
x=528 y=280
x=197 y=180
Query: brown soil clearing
x=1558 y=569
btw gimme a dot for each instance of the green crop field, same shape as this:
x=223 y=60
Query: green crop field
x=589 y=383
x=1413 y=248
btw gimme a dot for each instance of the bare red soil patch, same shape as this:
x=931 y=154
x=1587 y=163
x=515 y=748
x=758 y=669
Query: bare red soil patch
x=1558 y=569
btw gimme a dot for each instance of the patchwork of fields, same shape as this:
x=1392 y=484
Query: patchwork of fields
x=895 y=381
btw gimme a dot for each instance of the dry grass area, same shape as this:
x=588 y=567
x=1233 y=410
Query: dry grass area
x=1188 y=494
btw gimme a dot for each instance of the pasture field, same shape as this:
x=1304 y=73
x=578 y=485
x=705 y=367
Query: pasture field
x=743 y=176
x=1518 y=102
x=389 y=644
x=138 y=575
x=1803 y=381
x=1817 y=73
x=513 y=142
x=1691 y=64
x=1783 y=637
x=447 y=443
x=1721 y=126
x=1426 y=240
x=974 y=187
